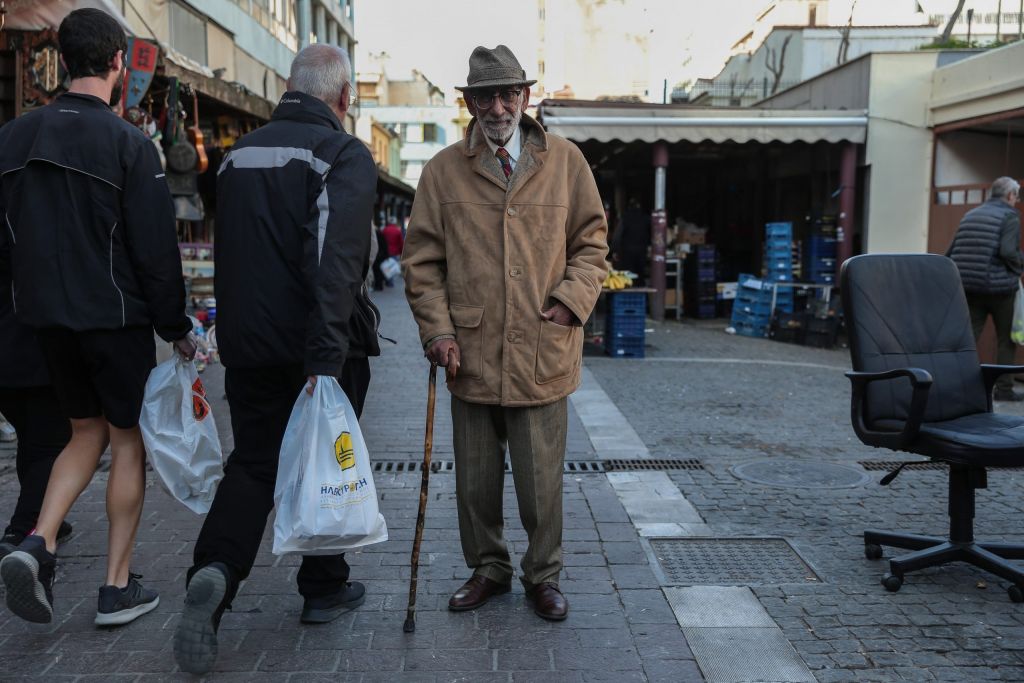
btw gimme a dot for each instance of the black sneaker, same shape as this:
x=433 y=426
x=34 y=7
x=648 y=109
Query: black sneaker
x=28 y=575
x=10 y=541
x=195 y=640
x=118 y=606
x=326 y=608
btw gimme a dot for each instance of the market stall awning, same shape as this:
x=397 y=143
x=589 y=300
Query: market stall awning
x=35 y=15
x=396 y=185
x=606 y=122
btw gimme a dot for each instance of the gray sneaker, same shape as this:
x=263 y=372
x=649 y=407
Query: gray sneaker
x=119 y=606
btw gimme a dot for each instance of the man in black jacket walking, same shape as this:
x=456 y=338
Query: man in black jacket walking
x=89 y=223
x=986 y=250
x=294 y=205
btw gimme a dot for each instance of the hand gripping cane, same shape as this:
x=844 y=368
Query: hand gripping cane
x=428 y=445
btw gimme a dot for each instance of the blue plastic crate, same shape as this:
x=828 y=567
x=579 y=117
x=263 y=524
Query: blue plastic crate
x=778 y=230
x=778 y=243
x=750 y=330
x=778 y=251
x=627 y=302
x=624 y=347
x=624 y=327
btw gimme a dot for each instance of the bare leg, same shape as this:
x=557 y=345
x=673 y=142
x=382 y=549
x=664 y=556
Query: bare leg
x=71 y=473
x=126 y=489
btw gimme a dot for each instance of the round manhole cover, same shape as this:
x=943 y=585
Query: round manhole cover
x=801 y=474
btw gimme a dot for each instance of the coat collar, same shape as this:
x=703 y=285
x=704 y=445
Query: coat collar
x=535 y=147
x=298 y=106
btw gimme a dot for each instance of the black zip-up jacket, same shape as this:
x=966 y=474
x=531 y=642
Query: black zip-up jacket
x=89 y=222
x=294 y=203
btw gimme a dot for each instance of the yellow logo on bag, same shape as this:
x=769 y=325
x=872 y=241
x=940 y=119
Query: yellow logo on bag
x=343 y=451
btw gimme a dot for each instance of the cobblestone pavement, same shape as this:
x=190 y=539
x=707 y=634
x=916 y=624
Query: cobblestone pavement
x=620 y=627
x=951 y=623
x=699 y=394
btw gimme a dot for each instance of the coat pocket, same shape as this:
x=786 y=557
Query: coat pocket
x=468 y=321
x=555 y=346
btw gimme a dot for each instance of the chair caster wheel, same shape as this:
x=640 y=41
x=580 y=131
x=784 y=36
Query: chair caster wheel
x=872 y=551
x=1016 y=593
x=892 y=582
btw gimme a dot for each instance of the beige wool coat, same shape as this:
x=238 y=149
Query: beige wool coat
x=483 y=255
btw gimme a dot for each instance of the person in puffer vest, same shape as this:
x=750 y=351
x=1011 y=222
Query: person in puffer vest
x=986 y=250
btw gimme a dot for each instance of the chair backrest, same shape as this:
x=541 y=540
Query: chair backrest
x=909 y=310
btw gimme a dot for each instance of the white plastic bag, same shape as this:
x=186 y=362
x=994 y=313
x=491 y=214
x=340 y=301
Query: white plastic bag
x=391 y=268
x=1017 y=329
x=325 y=497
x=180 y=434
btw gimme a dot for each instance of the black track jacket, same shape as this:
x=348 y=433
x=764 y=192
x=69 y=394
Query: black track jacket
x=88 y=222
x=294 y=203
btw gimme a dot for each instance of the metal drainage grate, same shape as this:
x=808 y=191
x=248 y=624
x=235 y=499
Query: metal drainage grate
x=650 y=464
x=569 y=467
x=730 y=562
x=890 y=465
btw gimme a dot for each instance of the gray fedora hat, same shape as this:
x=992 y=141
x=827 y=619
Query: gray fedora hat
x=494 y=68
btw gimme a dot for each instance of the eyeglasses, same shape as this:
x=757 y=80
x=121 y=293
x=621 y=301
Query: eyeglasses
x=486 y=100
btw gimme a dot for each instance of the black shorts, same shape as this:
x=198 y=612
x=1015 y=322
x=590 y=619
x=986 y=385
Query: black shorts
x=100 y=373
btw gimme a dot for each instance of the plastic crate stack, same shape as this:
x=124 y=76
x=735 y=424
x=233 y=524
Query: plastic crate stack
x=701 y=282
x=624 y=324
x=752 y=310
x=778 y=256
x=821 y=259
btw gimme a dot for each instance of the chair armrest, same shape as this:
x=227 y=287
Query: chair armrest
x=921 y=383
x=990 y=373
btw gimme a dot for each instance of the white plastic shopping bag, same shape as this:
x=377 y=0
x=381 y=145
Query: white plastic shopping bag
x=180 y=434
x=325 y=497
x=390 y=267
x=1017 y=330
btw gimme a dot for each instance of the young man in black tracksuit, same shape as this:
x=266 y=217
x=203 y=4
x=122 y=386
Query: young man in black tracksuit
x=294 y=205
x=89 y=227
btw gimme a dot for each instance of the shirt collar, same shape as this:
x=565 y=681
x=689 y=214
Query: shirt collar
x=514 y=146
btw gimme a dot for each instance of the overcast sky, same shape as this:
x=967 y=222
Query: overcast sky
x=689 y=39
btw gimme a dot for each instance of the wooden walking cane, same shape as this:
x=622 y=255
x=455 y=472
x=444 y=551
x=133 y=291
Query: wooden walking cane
x=428 y=446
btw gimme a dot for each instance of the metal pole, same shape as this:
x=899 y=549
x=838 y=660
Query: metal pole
x=1020 y=21
x=303 y=22
x=970 y=20
x=999 y=22
x=659 y=226
x=847 y=203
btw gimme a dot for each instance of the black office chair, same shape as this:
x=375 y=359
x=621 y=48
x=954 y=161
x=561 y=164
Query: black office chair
x=918 y=387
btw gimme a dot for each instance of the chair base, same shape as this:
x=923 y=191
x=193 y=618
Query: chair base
x=932 y=551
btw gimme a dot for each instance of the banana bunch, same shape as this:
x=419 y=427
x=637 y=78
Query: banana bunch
x=618 y=279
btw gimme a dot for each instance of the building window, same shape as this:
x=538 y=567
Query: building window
x=188 y=32
x=812 y=18
x=430 y=132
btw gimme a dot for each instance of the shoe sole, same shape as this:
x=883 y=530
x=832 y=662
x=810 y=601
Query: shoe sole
x=195 y=640
x=550 y=617
x=125 y=616
x=468 y=608
x=327 y=615
x=26 y=595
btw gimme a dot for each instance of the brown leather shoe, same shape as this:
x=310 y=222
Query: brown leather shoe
x=548 y=602
x=476 y=592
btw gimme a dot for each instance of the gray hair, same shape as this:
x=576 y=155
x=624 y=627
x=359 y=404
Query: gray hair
x=321 y=71
x=1004 y=187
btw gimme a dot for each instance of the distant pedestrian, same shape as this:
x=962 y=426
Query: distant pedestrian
x=292 y=307
x=381 y=255
x=393 y=234
x=96 y=269
x=986 y=250
x=504 y=260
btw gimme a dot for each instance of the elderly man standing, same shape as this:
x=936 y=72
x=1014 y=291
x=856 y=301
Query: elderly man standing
x=503 y=261
x=986 y=250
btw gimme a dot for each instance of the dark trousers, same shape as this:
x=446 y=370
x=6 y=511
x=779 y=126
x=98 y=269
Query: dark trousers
x=1000 y=307
x=43 y=432
x=261 y=401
